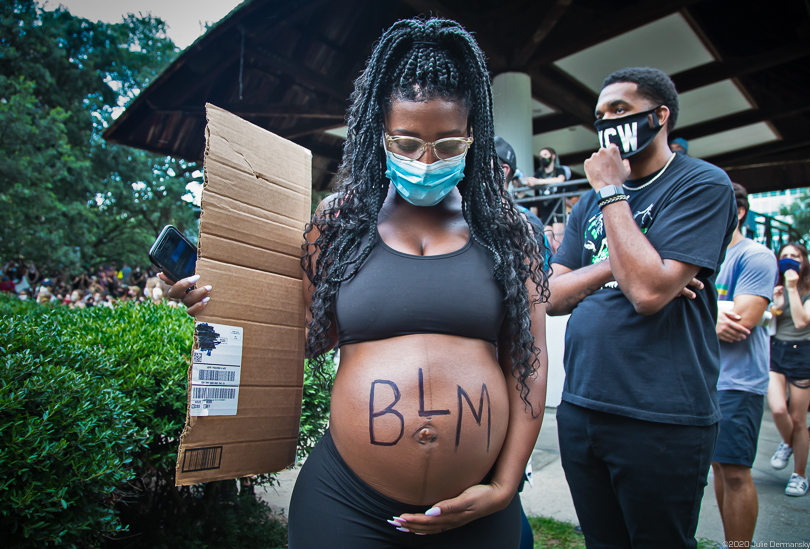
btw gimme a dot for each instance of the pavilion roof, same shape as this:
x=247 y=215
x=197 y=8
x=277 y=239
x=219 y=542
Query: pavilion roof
x=741 y=69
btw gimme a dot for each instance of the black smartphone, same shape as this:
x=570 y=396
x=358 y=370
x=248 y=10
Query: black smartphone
x=173 y=254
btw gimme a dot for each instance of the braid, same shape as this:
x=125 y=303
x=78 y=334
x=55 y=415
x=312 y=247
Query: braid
x=419 y=60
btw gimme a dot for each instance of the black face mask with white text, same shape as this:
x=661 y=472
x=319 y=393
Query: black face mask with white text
x=630 y=133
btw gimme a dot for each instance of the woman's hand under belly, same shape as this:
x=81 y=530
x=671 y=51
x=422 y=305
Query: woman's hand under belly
x=422 y=417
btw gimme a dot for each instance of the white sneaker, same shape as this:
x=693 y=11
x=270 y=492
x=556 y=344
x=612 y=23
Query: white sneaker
x=781 y=456
x=797 y=486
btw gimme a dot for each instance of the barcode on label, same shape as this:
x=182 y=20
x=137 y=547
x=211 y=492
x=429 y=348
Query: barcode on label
x=197 y=356
x=213 y=392
x=201 y=459
x=217 y=375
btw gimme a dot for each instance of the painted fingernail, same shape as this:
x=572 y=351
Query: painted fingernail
x=395 y=523
x=420 y=533
x=205 y=299
x=207 y=288
x=404 y=530
x=433 y=512
x=193 y=279
x=400 y=519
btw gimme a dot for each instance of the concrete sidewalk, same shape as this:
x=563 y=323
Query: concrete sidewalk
x=781 y=518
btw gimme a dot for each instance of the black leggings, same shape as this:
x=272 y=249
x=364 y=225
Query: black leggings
x=332 y=507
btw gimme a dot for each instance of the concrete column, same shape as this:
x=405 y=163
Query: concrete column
x=512 y=110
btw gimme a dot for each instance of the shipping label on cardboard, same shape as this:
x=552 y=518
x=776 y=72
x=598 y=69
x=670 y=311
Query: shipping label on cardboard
x=256 y=202
x=216 y=370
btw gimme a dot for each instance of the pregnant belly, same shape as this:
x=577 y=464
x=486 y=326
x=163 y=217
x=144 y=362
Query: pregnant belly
x=420 y=418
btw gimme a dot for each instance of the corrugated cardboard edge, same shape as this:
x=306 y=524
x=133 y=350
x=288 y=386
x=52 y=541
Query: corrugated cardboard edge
x=215 y=452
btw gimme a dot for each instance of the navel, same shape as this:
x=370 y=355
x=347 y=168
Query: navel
x=427 y=434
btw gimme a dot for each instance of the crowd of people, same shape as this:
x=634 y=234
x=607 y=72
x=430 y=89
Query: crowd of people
x=106 y=286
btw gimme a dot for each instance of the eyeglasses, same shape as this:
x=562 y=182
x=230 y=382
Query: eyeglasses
x=412 y=148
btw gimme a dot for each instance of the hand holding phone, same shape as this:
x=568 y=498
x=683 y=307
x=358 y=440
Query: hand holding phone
x=173 y=254
x=176 y=257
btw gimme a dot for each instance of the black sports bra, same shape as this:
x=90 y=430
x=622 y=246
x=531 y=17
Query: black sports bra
x=396 y=294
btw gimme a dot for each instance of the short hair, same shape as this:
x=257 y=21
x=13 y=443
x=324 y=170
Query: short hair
x=741 y=196
x=653 y=84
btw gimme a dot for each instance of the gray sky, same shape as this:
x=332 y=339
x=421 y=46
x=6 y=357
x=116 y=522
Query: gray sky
x=185 y=19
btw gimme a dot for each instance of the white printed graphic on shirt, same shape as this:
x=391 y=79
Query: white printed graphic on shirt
x=596 y=242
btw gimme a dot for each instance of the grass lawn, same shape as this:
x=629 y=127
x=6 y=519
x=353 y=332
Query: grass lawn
x=555 y=533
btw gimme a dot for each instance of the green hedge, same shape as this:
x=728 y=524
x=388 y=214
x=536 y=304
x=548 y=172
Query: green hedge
x=66 y=438
x=92 y=403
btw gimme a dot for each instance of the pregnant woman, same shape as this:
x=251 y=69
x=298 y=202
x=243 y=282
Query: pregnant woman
x=422 y=272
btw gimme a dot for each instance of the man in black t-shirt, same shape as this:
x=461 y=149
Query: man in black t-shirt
x=636 y=270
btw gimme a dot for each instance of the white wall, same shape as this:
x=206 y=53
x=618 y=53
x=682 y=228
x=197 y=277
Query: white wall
x=555 y=342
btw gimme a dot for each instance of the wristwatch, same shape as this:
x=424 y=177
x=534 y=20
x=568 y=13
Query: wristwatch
x=609 y=191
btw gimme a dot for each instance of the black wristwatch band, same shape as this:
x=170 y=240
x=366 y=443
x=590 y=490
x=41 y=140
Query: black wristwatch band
x=610 y=200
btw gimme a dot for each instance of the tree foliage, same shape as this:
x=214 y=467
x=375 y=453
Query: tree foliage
x=799 y=211
x=68 y=198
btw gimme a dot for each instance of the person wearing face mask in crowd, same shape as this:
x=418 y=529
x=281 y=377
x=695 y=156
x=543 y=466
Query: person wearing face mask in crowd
x=790 y=364
x=431 y=283
x=638 y=419
x=550 y=171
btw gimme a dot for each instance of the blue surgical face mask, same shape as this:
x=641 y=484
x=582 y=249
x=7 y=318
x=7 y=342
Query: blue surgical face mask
x=424 y=184
x=789 y=264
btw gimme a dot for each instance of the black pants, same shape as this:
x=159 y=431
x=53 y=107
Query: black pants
x=634 y=483
x=332 y=507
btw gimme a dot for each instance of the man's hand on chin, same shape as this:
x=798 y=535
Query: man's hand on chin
x=606 y=167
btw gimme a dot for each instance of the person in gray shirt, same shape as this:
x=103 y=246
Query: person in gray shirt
x=745 y=283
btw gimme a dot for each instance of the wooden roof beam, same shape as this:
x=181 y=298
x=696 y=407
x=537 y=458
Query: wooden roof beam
x=301 y=73
x=308 y=128
x=741 y=156
x=552 y=122
x=556 y=89
x=740 y=119
x=718 y=71
x=553 y=16
x=619 y=23
x=574 y=158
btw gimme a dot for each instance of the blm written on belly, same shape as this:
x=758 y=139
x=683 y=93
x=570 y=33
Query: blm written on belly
x=385 y=395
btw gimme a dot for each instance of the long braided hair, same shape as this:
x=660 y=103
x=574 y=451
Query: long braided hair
x=420 y=60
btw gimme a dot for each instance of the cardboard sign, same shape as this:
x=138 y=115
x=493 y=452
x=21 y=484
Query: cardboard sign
x=246 y=378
